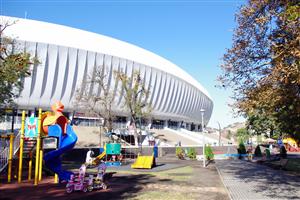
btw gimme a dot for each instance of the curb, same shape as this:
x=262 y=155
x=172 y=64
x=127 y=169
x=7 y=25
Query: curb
x=229 y=195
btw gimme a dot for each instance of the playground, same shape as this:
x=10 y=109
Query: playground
x=109 y=172
x=184 y=180
x=37 y=173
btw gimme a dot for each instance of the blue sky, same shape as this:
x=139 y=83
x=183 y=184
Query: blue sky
x=191 y=34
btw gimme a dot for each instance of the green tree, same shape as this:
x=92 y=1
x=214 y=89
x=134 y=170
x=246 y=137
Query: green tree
x=229 y=135
x=209 y=154
x=242 y=135
x=180 y=153
x=135 y=95
x=192 y=153
x=262 y=125
x=241 y=150
x=262 y=66
x=14 y=67
x=257 y=151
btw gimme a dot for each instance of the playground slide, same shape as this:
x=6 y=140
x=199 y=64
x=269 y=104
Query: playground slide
x=98 y=158
x=143 y=162
x=66 y=142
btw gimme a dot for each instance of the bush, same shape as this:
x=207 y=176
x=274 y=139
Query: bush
x=283 y=153
x=191 y=153
x=268 y=153
x=257 y=151
x=241 y=149
x=179 y=153
x=209 y=155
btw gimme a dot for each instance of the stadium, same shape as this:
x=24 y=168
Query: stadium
x=68 y=55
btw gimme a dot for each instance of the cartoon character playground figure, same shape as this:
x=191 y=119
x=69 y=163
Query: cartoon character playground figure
x=78 y=184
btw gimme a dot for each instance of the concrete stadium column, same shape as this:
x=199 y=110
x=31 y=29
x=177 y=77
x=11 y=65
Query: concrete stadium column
x=128 y=119
x=178 y=125
x=150 y=123
x=197 y=127
x=188 y=126
x=166 y=124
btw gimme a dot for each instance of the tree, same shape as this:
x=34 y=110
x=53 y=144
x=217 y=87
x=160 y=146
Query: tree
x=14 y=67
x=243 y=135
x=135 y=97
x=229 y=135
x=96 y=97
x=209 y=154
x=263 y=65
x=262 y=125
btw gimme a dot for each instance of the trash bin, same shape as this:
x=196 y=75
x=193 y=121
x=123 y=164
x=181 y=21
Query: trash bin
x=155 y=151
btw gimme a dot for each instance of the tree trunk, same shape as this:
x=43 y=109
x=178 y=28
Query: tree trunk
x=100 y=132
x=136 y=143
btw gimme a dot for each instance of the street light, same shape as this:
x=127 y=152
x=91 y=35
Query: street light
x=219 y=133
x=203 y=139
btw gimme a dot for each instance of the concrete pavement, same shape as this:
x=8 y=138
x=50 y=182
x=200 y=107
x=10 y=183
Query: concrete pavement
x=246 y=181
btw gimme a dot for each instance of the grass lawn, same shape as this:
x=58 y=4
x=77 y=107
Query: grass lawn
x=178 y=174
x=187 y=182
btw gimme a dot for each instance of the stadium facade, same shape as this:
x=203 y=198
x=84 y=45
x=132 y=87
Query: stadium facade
x=67 y=56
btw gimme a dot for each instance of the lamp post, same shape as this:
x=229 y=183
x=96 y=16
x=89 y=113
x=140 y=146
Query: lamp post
x=219 y=133
x=203 y=139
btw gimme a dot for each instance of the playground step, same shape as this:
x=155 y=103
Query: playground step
x=29 y=145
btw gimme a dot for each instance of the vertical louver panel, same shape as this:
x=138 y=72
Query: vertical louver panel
x=80 y=85
x=149 y=84
x=184 y=102
x=38 y=73
x=60 y=74
x=181 y=98
x=174 y=96
x=69 y=76
x=114 y=89
x=171 y=95
x=154 y=88
x=66 y=72
x=100 y=62
x=123 y=65
x=49 y=75
x=22 y=100
x=166 y=94
x=161 y=92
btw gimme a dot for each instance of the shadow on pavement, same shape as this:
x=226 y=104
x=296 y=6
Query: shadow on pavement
x=272 y=183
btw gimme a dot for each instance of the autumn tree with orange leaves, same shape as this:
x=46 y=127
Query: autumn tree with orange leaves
x=263 y=66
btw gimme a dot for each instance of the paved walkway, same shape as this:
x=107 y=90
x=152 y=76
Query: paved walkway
x=245 y=180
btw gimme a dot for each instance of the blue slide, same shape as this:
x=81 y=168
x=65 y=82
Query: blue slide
x=65 y=142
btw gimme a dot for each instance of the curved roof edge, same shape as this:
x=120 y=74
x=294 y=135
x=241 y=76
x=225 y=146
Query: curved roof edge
x=45 y=32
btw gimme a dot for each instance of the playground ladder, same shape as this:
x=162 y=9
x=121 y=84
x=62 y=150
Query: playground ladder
x=29 y=145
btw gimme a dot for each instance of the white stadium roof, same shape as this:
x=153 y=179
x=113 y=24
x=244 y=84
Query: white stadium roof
x=43 y=32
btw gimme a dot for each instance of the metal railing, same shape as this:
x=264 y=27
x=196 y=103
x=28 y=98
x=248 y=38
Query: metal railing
x=17 y=142
x=4 y=152
x=4 y=158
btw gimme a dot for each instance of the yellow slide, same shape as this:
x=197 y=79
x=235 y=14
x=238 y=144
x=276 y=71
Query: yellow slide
x=98 y=158
x=143 y=162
